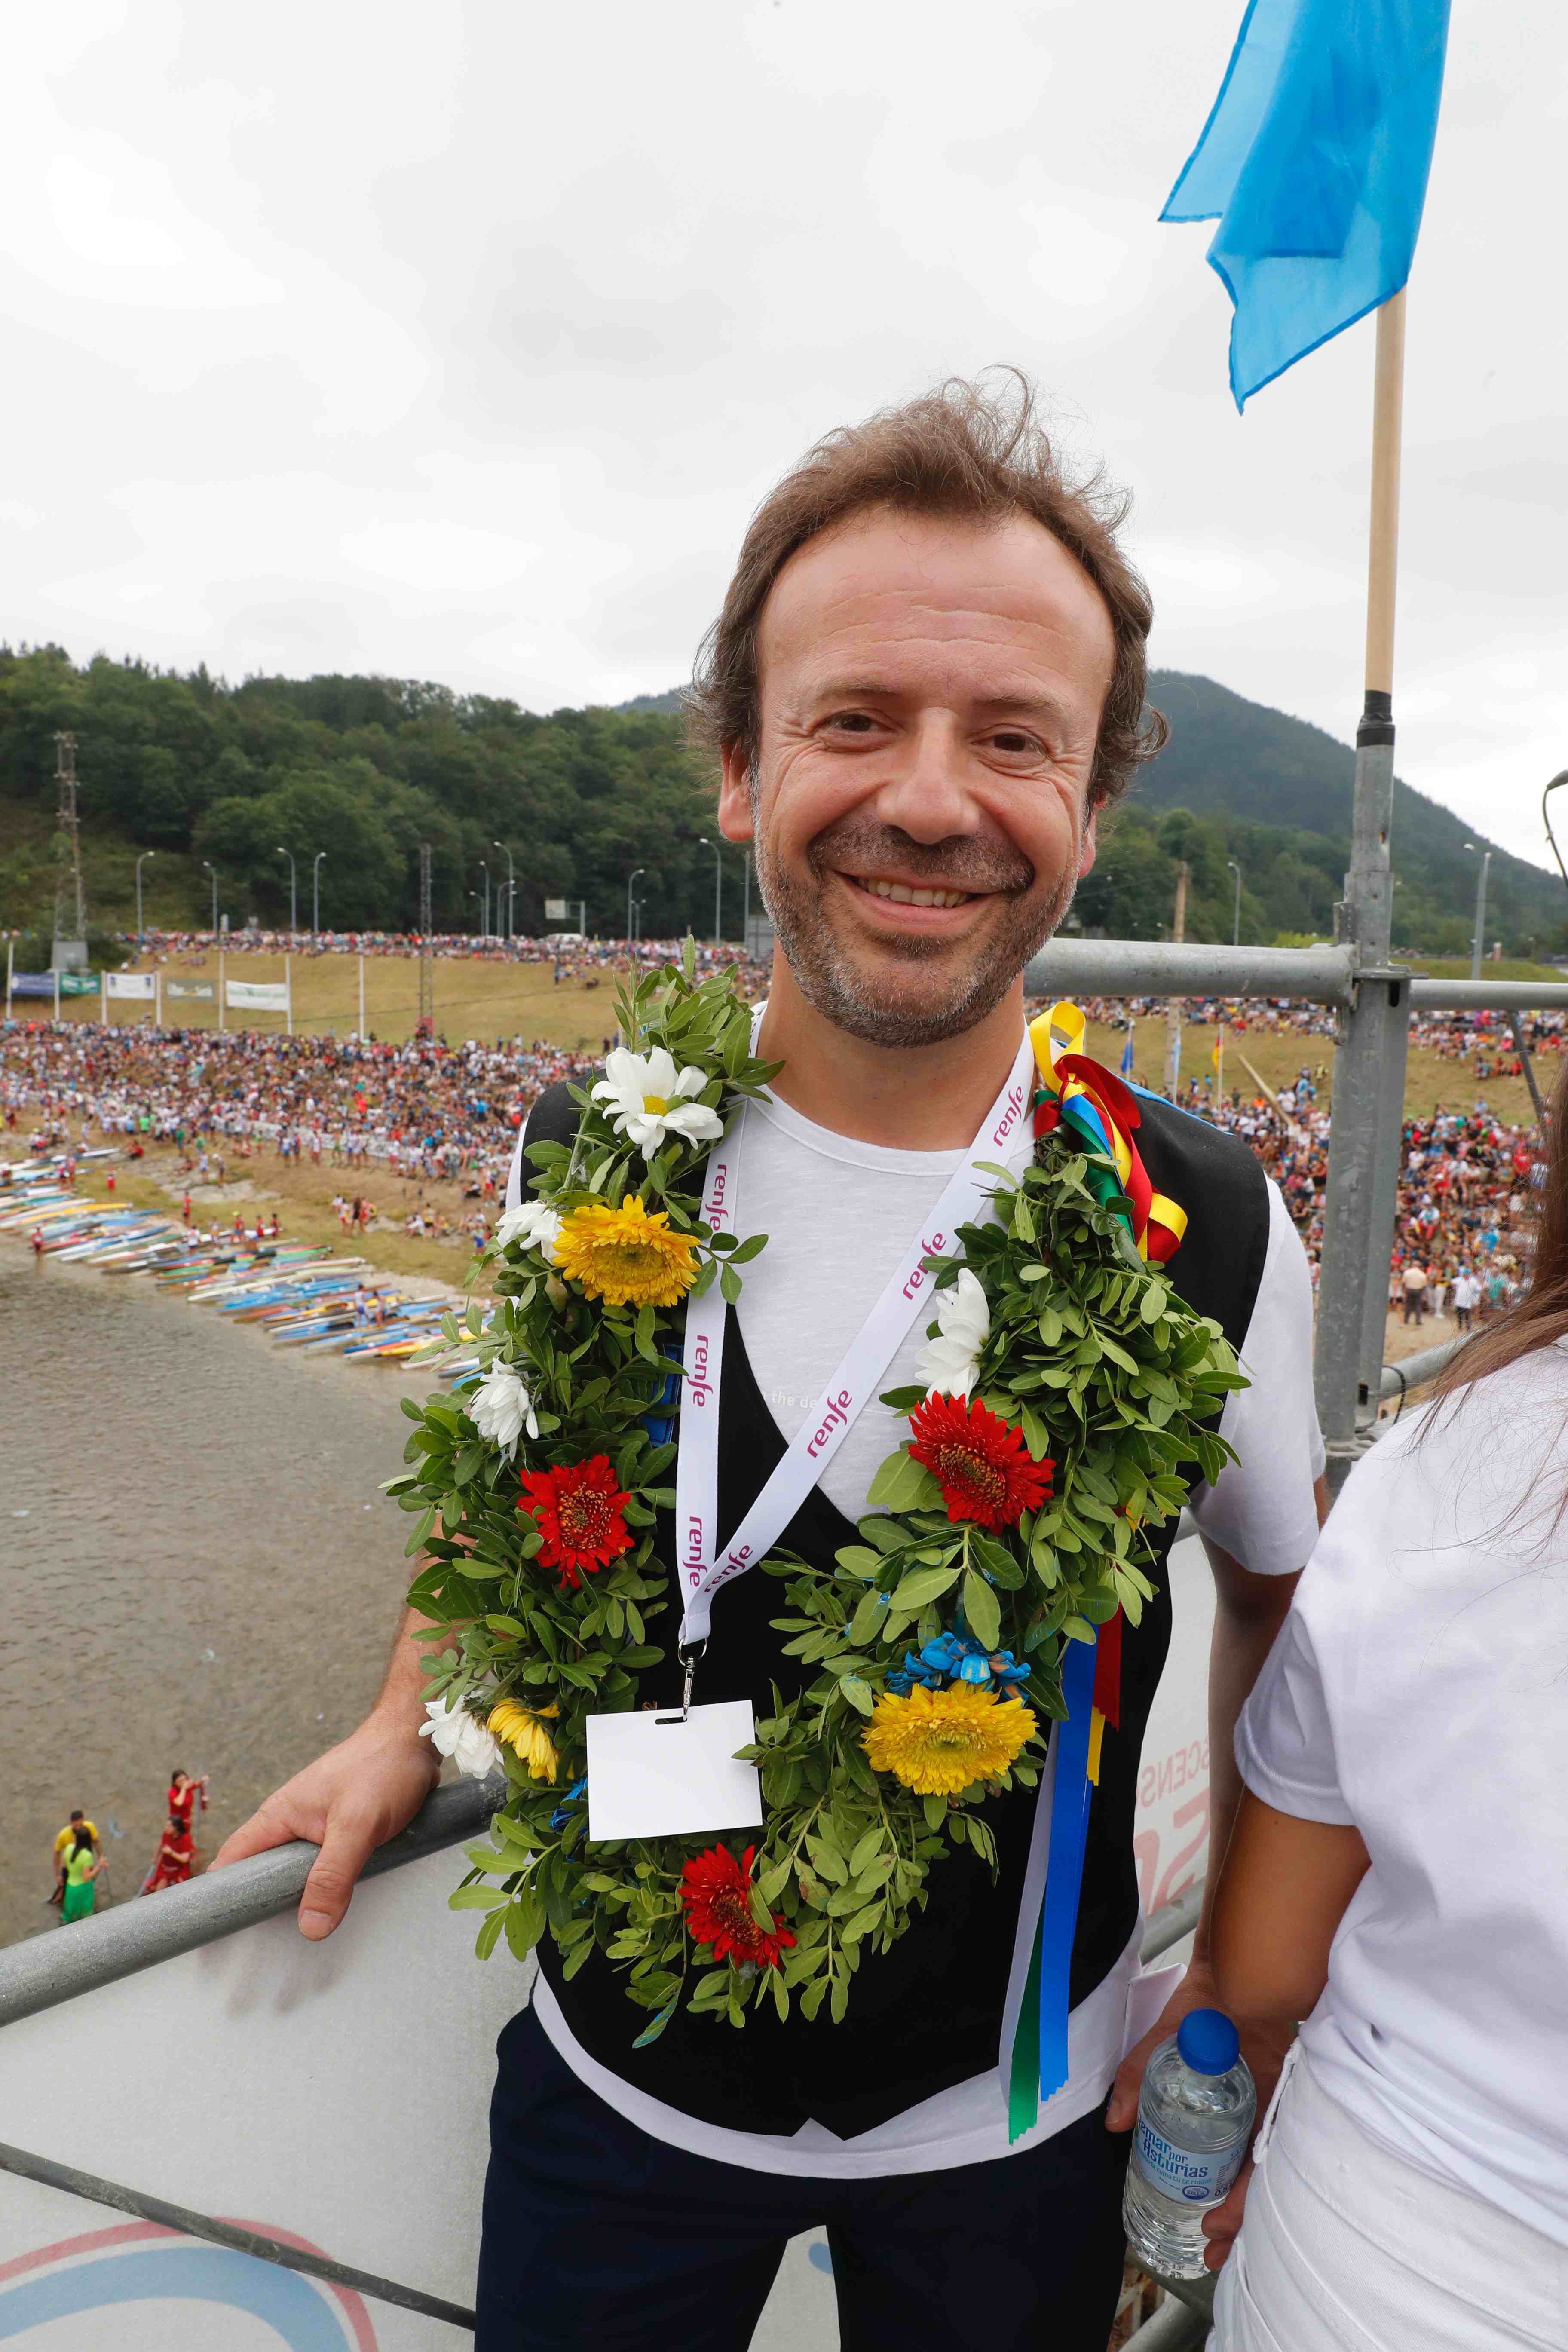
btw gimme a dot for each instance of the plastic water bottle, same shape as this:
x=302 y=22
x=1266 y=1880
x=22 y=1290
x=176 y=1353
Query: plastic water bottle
x=1195 y=2120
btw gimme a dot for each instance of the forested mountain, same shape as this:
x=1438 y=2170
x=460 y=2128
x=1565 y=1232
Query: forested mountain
x=1230 y=759
x=365 y=769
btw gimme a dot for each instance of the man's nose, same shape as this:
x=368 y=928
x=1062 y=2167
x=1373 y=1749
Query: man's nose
x=925 y=795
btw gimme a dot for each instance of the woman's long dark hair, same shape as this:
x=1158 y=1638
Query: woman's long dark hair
x=1539 y=1316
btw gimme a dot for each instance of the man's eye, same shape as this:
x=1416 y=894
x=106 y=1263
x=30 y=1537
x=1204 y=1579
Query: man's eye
x=1011 y=739
x=852 y=722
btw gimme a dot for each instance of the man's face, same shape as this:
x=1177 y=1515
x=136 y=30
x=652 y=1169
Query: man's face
x=930 y=701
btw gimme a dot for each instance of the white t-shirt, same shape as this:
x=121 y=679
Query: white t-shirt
x=838 y=1215
x=1419 y=1689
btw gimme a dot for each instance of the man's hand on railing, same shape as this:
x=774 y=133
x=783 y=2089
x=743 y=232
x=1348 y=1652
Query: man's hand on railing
x=348 y=1802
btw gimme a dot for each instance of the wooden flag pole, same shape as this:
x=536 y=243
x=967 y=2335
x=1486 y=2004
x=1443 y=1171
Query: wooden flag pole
x=1383 y=556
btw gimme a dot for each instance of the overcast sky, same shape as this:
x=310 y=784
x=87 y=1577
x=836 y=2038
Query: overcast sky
x=459 y=341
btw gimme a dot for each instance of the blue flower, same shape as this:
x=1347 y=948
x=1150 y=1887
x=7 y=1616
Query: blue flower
x=558 y=1818
x=958 y=1657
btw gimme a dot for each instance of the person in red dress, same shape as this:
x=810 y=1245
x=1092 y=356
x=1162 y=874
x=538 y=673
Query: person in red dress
x=183 y=1791
x=173 y=1867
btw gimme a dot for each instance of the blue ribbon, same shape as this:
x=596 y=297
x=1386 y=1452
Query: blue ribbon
x=660 y=1421
x=1064 y=1866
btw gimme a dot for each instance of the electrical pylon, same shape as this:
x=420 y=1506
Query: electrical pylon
x=426 y=950
x=70 y=900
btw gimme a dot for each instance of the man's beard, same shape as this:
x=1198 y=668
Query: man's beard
x=941 y=1002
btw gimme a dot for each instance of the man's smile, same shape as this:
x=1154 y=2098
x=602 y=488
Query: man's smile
x=911 y=894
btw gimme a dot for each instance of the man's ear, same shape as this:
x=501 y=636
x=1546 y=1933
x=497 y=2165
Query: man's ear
x=1090 y=846
x=735 y=794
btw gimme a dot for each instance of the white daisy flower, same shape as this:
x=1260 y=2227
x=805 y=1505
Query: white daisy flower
x=500 y=1407
x=950 y=1360
x=651 y=1099
x=462 y=1736
x=534 y=1224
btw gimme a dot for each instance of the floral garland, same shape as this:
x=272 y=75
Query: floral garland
x=1069 y=1390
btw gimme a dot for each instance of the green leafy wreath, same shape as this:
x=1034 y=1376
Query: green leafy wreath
x=1013 y=1520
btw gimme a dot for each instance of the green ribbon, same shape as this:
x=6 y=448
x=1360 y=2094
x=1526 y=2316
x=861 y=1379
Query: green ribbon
x=1024 y=2078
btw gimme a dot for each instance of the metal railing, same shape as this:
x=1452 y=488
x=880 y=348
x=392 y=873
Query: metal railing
x=1373 y=999
x=1488 y=995
x=66 y=1961
x=1160 y=968
x=71 y=1961
x=1178 y=2325
x=1415 y=1371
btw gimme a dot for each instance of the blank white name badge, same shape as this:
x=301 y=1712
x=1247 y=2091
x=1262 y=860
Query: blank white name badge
x=654 y=1774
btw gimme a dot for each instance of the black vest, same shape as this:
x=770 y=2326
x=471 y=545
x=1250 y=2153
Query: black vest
x=928 y=2015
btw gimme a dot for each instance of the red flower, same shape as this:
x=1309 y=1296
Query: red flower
x=717 y=1892
x=577 y=1506
x=985 y=1470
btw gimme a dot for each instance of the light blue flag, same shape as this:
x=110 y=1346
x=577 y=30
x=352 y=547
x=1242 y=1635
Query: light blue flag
x=1314 y=163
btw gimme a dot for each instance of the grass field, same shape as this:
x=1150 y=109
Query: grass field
x=478 y=998
x=490 y=1000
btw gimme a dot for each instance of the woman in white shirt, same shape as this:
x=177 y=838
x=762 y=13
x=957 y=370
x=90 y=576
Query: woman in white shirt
x=1398 y=1878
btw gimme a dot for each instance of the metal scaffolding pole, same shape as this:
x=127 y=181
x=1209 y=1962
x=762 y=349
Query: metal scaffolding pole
x=1073 y=966
x=1368 y=1111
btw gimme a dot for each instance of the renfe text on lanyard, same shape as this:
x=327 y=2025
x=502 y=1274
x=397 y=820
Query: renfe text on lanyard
x=703 y=1564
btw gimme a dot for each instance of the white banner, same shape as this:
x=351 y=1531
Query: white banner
x=141 y=984
x=257 y=995
x=555 y=911
x=204 y=990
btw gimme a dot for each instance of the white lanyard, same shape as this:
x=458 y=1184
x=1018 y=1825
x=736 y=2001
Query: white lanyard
x=704 y=1566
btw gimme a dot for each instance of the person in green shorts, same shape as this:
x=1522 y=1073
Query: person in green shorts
x=81 y=1867
x=64 y=1840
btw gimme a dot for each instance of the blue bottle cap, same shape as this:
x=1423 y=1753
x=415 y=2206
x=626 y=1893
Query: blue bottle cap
x=1208 y=2041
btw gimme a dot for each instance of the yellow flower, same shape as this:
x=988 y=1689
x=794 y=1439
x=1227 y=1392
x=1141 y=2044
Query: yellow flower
x=625 y=1256
x=939 y=1742
x=525 y=1734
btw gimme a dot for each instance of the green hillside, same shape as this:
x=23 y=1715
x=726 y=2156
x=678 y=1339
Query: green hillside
x=365 y=769
x=1230 y=759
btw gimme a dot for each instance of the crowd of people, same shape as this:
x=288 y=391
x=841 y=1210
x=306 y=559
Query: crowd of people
x=226 y=1099
x=435 y=1112
x=570 y=955
x=80 y=1862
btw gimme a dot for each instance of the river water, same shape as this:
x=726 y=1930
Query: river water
x=195 y=1566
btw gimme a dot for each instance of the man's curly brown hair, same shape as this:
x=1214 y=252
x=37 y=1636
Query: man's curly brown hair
x=959 y=450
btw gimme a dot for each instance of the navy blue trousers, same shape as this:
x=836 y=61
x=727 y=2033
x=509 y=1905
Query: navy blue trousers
x=597 y=2235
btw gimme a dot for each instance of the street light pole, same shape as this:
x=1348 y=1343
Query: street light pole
x=316 y=893
x=632 y=880
x=141 y=862
x=485 y=870
x=704 y=843
x=293 y=900
x=1476 y=943
x=510 y=889
x=212 y=869
x=1559 y=779
x=1236 y=927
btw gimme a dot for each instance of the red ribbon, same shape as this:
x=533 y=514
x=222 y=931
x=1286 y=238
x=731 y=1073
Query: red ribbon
x=1108 y=1671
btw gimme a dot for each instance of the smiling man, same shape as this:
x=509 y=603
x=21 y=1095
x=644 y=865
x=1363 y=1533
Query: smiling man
x=926 y=684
